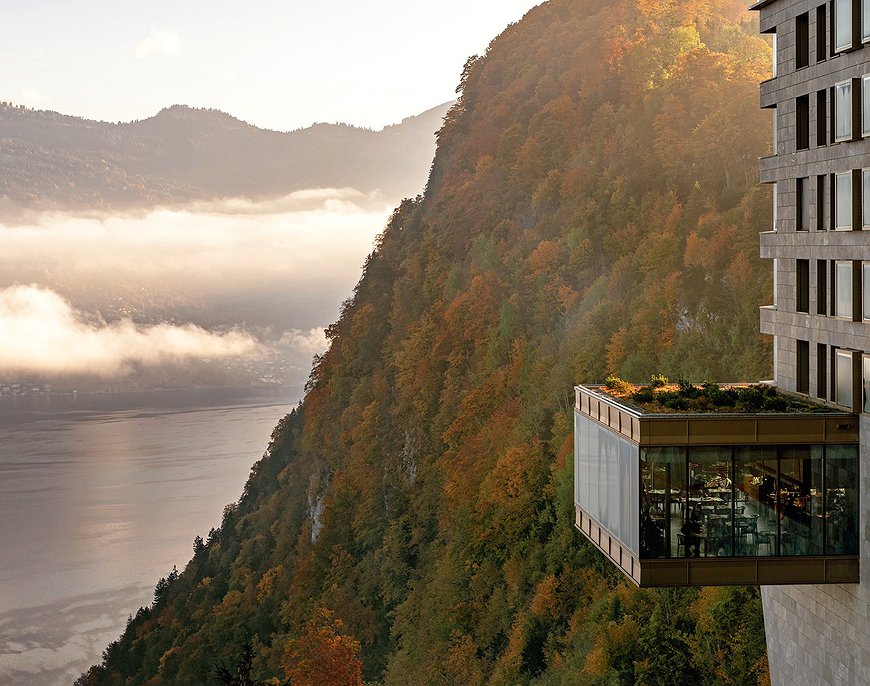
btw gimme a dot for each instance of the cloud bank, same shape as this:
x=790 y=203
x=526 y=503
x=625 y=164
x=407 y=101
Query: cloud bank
x=277 y=269
x=42 y=333
x=210 y=247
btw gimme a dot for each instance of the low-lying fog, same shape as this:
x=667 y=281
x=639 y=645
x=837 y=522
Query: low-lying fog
x=109 y=294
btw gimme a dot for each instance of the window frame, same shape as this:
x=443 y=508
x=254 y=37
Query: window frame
x=865 y=195
x=839 y=109
x=865 y=382
x=839 y=6
x=865 y=102
x=804 y=203
x=841 y=354
x=836 y=190
x=865 y=291
x=847 y=267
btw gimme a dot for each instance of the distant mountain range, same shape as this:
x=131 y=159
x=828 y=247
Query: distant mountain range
x=53 y=161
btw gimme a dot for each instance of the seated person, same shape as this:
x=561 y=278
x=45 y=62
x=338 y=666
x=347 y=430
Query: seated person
x=652 y=542
x=691 y=529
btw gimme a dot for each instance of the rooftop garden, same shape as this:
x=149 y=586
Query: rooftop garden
x=661 y=396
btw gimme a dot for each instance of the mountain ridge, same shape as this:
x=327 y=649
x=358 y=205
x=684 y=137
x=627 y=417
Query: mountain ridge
x=53 y=161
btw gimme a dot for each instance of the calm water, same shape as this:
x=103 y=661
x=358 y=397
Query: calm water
x=99 y=497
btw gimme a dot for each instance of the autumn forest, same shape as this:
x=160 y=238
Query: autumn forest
x=593 y=209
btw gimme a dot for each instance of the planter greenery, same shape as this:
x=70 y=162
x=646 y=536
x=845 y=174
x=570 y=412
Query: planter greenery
x=662 y=396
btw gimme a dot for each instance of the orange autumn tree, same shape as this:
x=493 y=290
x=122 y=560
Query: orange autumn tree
x=323 y=655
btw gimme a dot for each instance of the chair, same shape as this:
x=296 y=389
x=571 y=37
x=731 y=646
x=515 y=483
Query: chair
x=681 y=543
x=764 y=538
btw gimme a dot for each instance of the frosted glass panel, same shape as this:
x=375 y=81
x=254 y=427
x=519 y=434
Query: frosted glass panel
x=865 y=304
x=866 y=196
x=843 y=110
x=843 y=363
x=844 y=290
x=866 y=383
x=865 y=109
x=844 y=201
x=843 y=26
x=607 y=479
x=865 y=21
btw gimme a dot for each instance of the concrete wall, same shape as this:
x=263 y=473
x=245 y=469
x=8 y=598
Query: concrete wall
x=815 y=634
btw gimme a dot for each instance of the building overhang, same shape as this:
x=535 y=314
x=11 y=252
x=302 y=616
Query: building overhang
x=786 y=535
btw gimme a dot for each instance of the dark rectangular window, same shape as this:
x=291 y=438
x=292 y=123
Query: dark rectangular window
x=802 y=36
x=841 y=499
x=803 y=204
x=821 y=34
x=800 y=475
x=803 y=366
x=821 y=287
x=803 y=286
x=802 y=108
x=821 y=371
x=821 y=204
x=821 y=117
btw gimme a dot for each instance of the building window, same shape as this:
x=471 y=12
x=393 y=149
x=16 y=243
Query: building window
x=843 y=201
x=843 y=377
x=821 y=371
x=802 y=113
x=821 y=287
x=803 y=367
x=865 y=291
x=865 y=21
x=841 y=498
x=865 y=105
x=843 y=289
x=803 y=286
x=802 y=36
x=865 y=198
x=821 y=34
x=842 y=25
x=821 y=204
x=803 y=204
x=821 y=117
x=866 y=383
x=843 y=111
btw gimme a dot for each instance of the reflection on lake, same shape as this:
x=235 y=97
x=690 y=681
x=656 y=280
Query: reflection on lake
x=101 y=496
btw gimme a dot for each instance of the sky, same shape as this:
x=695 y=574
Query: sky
x=277 y=64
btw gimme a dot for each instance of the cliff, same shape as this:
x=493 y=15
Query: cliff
x=593 y=208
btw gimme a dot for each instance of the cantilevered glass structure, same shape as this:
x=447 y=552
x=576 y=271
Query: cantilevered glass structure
x=684 y=498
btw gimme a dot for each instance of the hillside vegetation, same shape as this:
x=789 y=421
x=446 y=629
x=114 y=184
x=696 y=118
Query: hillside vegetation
x=48 y=160
x=593 y=209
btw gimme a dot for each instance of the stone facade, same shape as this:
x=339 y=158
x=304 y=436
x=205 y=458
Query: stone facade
x=817 y=634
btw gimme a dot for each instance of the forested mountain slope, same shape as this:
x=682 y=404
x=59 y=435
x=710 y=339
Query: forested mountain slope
x=49 y=160
x=593 y=208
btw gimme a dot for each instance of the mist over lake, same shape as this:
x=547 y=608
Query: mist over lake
x=111 y=294
x=101 y=494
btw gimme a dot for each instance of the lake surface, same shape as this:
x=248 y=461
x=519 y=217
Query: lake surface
x=99 y=497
